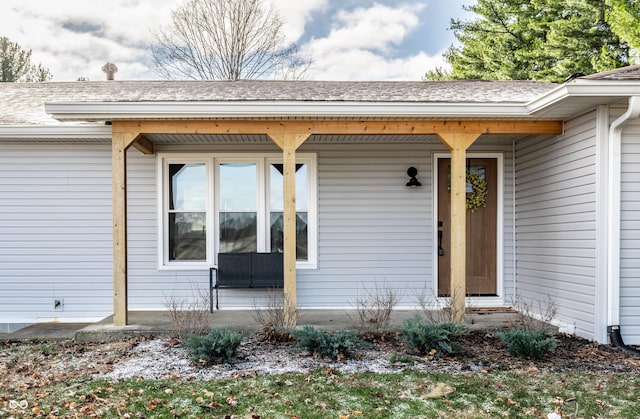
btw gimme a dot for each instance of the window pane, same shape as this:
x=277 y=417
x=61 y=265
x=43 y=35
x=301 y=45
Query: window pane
x=277 y=234
x=276 y=199
x=238 y=232
x=187 y=236
x=187 y=187
x=238 y=187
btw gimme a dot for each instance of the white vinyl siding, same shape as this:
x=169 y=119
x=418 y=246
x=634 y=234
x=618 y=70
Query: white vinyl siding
x=556 y=223
x=630 y=234
x=373 y=230
x=55 y=232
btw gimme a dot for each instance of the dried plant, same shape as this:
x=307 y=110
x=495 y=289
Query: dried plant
x=373 y=308
x=274 y=313
x=537 y=315
x=436 y=310
x=189 y=316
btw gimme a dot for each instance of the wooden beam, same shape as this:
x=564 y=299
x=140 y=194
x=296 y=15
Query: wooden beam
x=337 y=127
x=289 y=143
x=143 y=145
x=119 y=144
x=458 y=145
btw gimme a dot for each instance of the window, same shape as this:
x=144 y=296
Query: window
x=232 y=203
x=276 y=209
x=238 y=209
x=187 y=211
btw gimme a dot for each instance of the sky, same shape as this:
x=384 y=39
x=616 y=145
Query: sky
x=347 y=39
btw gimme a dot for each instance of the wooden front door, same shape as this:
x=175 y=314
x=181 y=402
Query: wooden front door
x=481 y=230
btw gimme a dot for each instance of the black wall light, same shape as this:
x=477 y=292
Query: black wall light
x=413 y=181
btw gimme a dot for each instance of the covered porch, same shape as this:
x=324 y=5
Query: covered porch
x=289 y=135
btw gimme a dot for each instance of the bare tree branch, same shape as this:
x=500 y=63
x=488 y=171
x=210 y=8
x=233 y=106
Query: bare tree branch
x=225 y=40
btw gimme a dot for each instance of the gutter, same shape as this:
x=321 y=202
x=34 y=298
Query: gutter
x=55 y=132
x=81 y=111
x=613 y=227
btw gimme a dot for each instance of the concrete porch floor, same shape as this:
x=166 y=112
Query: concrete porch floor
x=157 y=323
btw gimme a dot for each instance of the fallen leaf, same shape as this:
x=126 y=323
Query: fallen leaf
x=441 y=390
x=357 y=413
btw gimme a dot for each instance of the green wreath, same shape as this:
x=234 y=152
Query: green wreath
x=478 y=198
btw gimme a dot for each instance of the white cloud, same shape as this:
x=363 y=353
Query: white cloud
x=75 y=38
x=362 y=42
x=296 y=14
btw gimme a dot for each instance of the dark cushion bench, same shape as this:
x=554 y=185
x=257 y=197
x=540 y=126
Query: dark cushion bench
x=246 y=270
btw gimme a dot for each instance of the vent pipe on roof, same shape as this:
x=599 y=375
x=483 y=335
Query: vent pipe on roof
x=110 y=70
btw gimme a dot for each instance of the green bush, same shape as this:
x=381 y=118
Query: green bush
x=219 y=346
x=421 y=336
x=528 y=343
x=321 y=343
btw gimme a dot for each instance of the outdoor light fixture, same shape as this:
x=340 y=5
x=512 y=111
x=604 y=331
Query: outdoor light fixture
x=413 y=181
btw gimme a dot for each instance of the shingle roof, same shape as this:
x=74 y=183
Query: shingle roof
x=631 y=72
x=23 y=103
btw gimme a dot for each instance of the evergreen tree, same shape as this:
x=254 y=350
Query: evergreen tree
x=534 y=40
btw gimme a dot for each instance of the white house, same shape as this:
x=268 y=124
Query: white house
x=90 y=226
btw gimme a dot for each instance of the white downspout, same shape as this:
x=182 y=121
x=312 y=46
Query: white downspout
x=613 y=210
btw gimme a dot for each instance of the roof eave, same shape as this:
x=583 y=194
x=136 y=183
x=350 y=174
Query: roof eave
x=583 y=88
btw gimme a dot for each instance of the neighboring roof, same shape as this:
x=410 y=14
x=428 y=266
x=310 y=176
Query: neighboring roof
x=631 y=72
x=23 y=103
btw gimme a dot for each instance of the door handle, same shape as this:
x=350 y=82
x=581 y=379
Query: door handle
x=440 y=249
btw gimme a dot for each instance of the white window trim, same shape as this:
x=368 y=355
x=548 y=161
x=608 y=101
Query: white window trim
x=212 y=162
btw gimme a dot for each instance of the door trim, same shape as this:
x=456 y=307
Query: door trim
x=498 y=300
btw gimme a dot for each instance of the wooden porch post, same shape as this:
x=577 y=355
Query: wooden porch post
x=458 y=143
x=289 y=143
x=119 y=144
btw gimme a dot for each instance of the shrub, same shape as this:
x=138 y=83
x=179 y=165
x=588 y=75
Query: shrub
x=534 y=315
x=421 y=336
x=276 y=311
x=374 y=308
x=218 y=346
x=528 y=343
x=189 y=316
x=321 y=343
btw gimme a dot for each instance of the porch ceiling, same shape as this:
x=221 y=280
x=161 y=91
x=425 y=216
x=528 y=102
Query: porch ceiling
x=192 y=139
